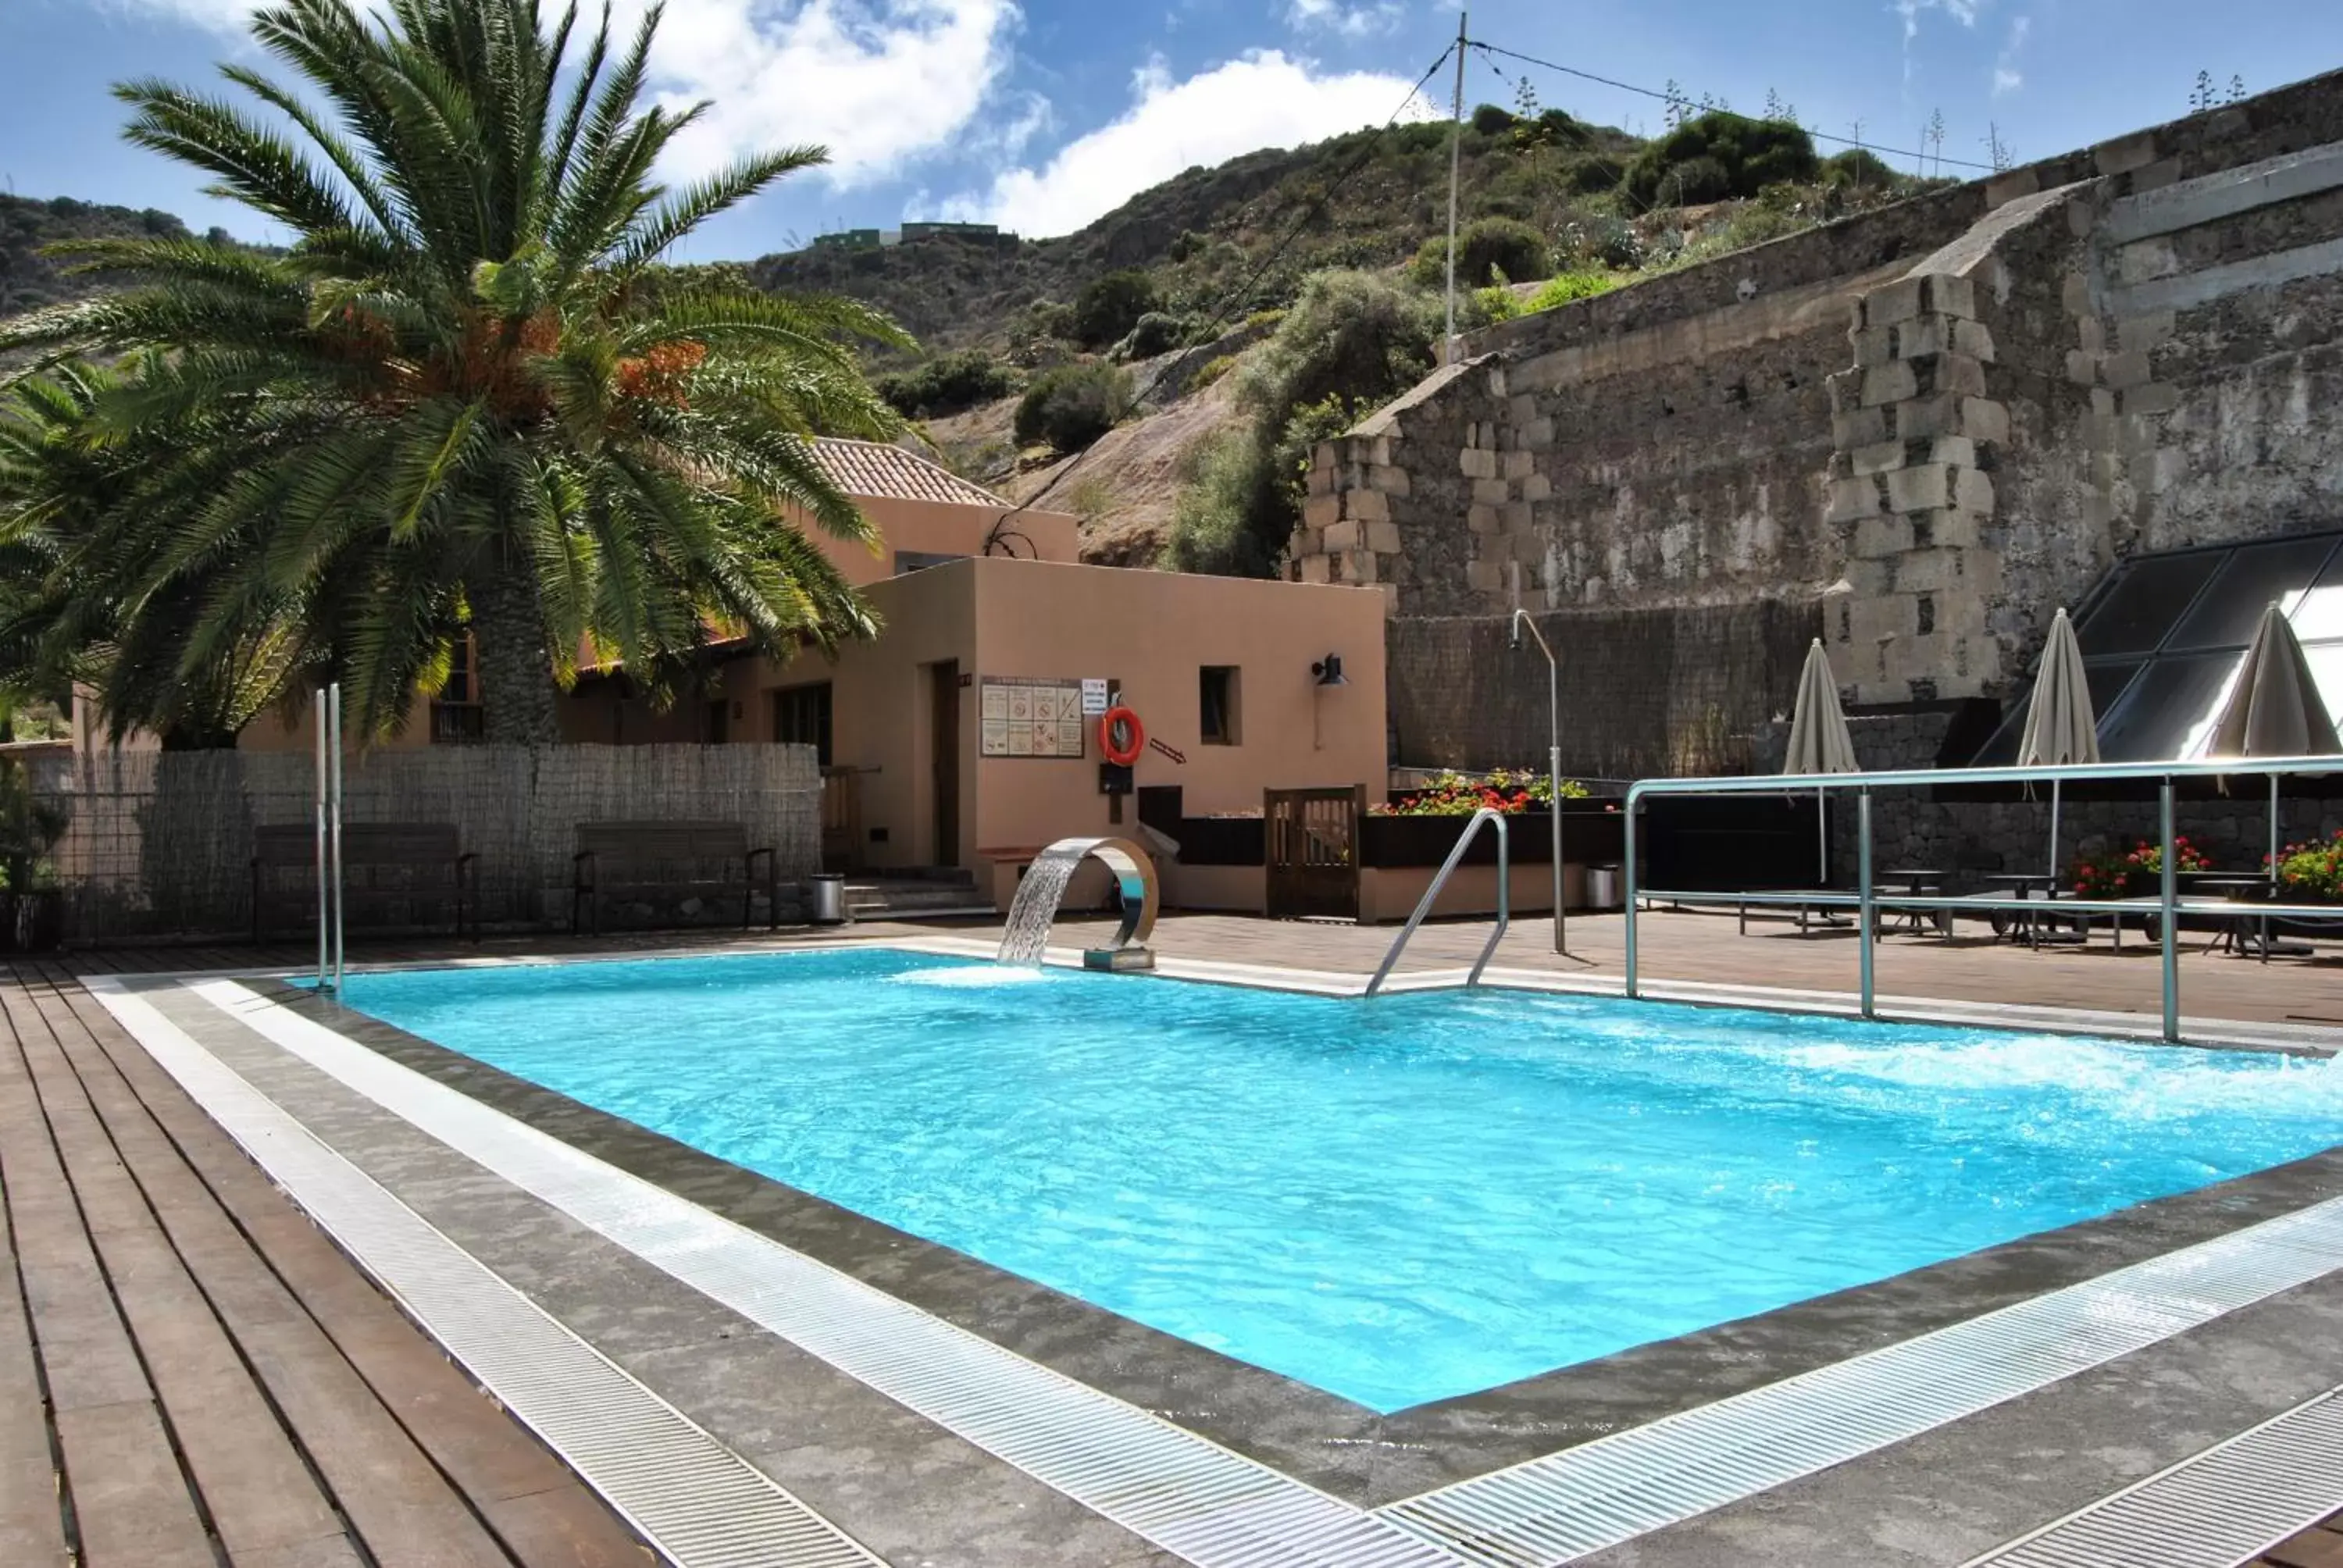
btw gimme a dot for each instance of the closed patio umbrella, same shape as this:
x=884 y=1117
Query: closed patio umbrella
x=2275 y=709
x=1819 y=741
x=2060 y=728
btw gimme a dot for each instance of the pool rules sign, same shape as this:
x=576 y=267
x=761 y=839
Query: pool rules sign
x=1030 y=715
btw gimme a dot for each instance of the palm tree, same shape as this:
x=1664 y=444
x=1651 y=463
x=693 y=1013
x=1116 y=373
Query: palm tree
x=469 y=394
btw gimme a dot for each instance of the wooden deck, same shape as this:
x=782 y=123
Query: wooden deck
x=191 y=1374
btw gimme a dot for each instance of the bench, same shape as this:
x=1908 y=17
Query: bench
x=712 y=858
x=388 y=868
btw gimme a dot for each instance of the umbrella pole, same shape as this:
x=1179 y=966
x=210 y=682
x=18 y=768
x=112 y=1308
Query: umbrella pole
x=2054 y=837
x=2273 y=864
x=1822 y=839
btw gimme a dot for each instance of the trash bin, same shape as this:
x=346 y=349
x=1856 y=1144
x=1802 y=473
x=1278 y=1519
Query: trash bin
x=830 y=899
x=1603 y=887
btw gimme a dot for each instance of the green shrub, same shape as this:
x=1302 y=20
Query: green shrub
x=1721 y=154
x=1588 y=240
x=1211 y=371
x=1350 y=341
x=1154 y=333
x=1565 y=287
x=1859 y=167
x=1596 y=173
x=1072 y=405
x=1110 y=306
x=1489 y=120
x=1484 y=248
x=948 y=384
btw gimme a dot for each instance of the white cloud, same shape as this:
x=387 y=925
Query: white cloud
x=1263 y=99
x=2006 y=77
x=1361 y=21
x=1965 y=12
x=878 y=82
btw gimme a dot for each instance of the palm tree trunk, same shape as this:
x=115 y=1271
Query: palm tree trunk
x=517 y=689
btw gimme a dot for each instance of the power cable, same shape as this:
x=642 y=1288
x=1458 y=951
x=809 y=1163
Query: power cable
x=1678 y=98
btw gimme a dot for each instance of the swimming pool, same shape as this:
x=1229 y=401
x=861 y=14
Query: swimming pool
x=1397 y=1202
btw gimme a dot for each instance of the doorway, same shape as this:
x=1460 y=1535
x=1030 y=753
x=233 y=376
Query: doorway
x=944 y=706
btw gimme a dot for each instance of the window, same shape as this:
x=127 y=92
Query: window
x=719 y=726
x=1216 y=702
x=2164 y=635
x=801 y=718
x=456 y=713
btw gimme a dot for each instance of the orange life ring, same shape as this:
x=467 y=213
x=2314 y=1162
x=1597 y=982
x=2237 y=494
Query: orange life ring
x=1118 y=717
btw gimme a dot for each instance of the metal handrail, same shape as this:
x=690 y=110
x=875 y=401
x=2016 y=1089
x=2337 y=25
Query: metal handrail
x=1424 y=905
x=2169 y=903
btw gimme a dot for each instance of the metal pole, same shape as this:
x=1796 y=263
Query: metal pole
x=334 y=755
x=1634 y=805
x=1869 y=911
x=324 y=901
x=1455 y=175
x=2171 y=918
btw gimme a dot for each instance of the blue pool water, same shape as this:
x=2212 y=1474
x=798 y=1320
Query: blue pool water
x=1397 y=1201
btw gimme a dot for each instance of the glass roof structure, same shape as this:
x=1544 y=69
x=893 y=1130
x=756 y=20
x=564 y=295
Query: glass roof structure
x=2164 y=637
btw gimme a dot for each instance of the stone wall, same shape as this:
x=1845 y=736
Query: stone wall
x=1645 y=691
x=1938 y=422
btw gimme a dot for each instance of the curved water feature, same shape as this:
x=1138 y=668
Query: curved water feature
x=1036 y=904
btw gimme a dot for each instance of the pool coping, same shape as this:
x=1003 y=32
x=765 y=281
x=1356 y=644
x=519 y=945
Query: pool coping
x=1317 y=1437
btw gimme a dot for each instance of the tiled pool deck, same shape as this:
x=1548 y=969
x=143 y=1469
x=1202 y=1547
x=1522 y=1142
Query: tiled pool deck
x=908 y=1489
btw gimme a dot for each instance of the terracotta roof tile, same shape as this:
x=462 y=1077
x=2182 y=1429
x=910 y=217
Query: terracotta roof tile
x=870 y=468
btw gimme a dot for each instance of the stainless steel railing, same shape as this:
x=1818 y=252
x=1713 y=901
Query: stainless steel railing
x=2168 y=905
x=1431 y=894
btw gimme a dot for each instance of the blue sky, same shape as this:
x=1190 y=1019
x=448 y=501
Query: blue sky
x=1043 y=114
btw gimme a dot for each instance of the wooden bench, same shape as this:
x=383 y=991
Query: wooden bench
x=714 y=857
x=389 y=870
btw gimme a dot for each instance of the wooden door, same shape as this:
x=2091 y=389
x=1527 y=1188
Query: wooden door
x=943 y=700
x=1313 y=842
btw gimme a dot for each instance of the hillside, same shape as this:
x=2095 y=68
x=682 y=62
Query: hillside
x=1202 y=232
x=28 y=279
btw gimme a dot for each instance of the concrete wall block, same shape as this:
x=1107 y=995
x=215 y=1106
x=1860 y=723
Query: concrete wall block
x=2129 y=368
x=1928 y=572
x=1519 y=465
x=1520 y=409
x=1955 y=373
x=1891 y=303
x=1485 y=576
x=2145 y=331
x=2074 y=294
x=1923 y=336
x=1950 y=294
x=1925 y=418
x=1534 y=435
x=2157 y=397
x=2124 y=154
x=1355 y=566
x=2008 y=188
x=1390 y=480
x=2092 y=334
x=1960 y=451
x=1922 y=489
x=1984 y=419
x=1321 y=480
x=2103 y=402
x=1477 y=463
x=1316 y=568
x=1973 y=491
x=1318 y=511
x=1951 y=528
x=1873 y=345
x=1343 y=535
x=1367 y=506
x=1324 y=455
x=1845 y=387
x=1516 y=517
x=1874 y=620
x=1306 y=542
x=1881 y=538
x=1974 y=339
x=1854 y=497
x=1492 y=492
x=1536 y=487
x=1860 y=427
x=2146 y=259
x=2155 y=176
x=1890 y=383
x=1529 y=548
x=1876 y=459
x=1481 y=519
x=1383 y=538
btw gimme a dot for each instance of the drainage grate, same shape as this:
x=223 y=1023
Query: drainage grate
x=1549 y=1511
x=1160 y=1481
x=2216 y=1509
x=701 y=1504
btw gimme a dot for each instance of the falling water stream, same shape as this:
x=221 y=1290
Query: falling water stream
x=1036 y=904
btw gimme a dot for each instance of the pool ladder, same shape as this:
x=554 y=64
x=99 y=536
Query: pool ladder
x=1486 y=816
